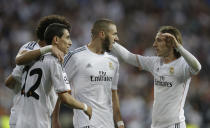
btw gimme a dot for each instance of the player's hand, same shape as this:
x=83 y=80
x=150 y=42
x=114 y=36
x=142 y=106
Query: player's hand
x=56 y=124
x=172 y=38
x=89 y=112
x=122 y=126
x=57 y=53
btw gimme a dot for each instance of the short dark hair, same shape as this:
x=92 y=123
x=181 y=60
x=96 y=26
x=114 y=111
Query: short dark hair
x=46 y=21
x=52 y=30
x=100 y=25
x=175 y=32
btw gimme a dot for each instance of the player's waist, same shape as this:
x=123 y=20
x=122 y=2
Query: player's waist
x=166 y=120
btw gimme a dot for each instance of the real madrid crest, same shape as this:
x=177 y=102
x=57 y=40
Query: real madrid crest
x=171 y=70
x=111 y=66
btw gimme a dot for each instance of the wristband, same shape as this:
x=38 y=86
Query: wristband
x=120 y=123
x=85 y=107
x=45 y=49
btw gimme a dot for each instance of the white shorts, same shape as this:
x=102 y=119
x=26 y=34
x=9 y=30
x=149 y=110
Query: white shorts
x=12 y=125
x=178 y=125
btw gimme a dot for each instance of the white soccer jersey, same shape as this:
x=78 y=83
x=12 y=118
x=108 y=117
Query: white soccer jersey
x=171 y=83
x=17 y=74
x=38 y=97
x=92 y=78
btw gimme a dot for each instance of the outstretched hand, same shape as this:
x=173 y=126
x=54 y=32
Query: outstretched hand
x=58 y=53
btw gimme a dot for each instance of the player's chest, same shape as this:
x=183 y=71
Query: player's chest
x=166 y=75
x=98 y=67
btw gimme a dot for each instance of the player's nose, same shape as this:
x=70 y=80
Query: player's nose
x=154 y=44
x=70 y=43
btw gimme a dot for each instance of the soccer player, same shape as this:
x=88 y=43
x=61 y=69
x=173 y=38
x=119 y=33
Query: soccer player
x=28 y=53
x=93 y=74
x=42 y=79
x=172 y=69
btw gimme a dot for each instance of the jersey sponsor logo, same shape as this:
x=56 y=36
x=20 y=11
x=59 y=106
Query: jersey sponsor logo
x=101 y=77
x=161 y=82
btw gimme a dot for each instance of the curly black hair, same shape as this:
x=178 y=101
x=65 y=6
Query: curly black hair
x=47 y=20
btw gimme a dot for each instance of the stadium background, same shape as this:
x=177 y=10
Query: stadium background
x=138 y=22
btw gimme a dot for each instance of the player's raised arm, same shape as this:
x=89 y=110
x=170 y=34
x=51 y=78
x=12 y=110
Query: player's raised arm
x=26 y=56
x=189 y=58
x=126 y=55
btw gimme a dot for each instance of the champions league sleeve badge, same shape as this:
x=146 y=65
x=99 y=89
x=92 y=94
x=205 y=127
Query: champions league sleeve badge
x=171 y=70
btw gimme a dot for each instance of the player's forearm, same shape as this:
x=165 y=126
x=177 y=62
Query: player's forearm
x=55 y=115
x=127 y=56
x=116 y=107
x=70 y=101
x=10 y=82
x=27 y=57
x=190 y=59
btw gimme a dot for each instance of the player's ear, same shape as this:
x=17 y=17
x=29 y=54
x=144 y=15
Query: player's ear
x=55 y=40
x=101 y=34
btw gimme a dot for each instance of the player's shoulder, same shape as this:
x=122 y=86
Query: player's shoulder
x=181 y=60
x=74 y=53
x=29 y=45
x=151 y=58
x=49 y=58
x=112 y=57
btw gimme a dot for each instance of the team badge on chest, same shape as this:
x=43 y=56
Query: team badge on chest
x=171 y=70
x=111 y=66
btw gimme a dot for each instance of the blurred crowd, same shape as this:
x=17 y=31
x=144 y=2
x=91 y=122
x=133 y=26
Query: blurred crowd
x=137 y=22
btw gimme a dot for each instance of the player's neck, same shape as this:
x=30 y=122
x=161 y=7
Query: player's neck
x=95 y=47
x=169 y=58
x=41 y=43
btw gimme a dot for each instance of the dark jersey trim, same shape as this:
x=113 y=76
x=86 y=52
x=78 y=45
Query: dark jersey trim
x=68 y=56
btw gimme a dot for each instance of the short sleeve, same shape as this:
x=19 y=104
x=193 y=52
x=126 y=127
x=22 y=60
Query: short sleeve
x=17 y=73
x=59 y=77
x=147 y=63
x=70 y=66
x=29 y=46
x=116 y=77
